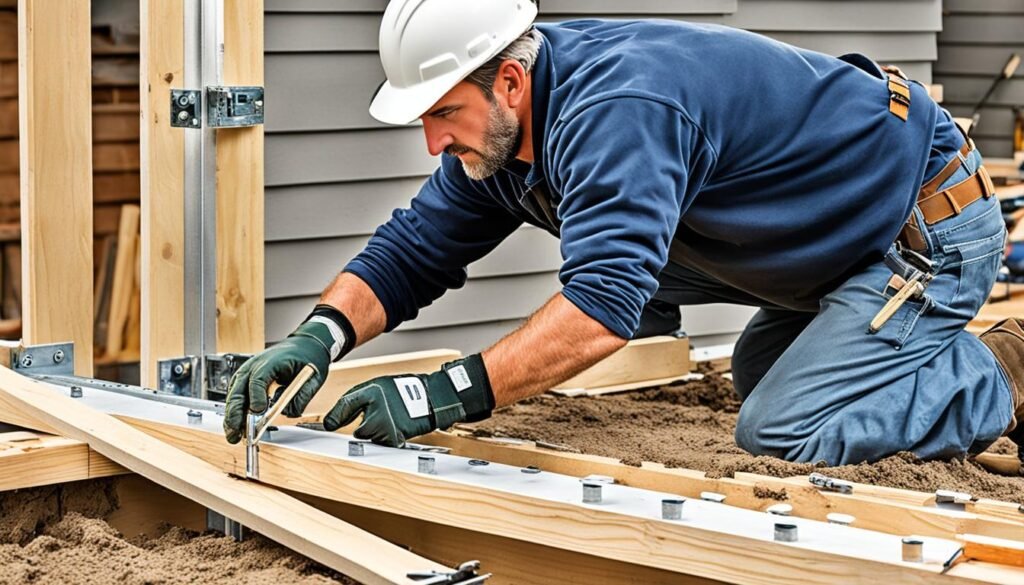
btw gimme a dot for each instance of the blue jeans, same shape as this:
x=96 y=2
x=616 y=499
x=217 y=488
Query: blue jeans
x=821 y=387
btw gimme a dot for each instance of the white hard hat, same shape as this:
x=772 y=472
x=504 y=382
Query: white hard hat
x=428 y=46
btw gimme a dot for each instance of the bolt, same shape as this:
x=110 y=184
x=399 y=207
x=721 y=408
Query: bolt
x=672 y=509
x=168 y=387
x=183 y=115
x=785 y=532
x=427 y=465
x=356 y=449
x=478 y=462
x=840 y=519
x=533 y=470
x=591 y=493
x=179 y=369
x=76 y=391
x=913 y=550
x=26 y=360
x=712 y=497
x=58 y=356
x=780 y=510
x=194 y=416
x=195 y=121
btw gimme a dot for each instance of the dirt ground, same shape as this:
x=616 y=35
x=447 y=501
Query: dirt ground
x=57 y=535
x=691 y=425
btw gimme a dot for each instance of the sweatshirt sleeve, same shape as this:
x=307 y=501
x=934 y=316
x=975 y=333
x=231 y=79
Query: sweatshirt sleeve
x=423 y=251
x=627 y=168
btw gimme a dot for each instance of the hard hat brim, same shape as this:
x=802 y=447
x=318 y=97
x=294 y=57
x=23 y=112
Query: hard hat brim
x=394 y=105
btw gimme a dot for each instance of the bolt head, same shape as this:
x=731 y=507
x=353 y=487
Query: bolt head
x=58 y=356
x=179 y=369
x=183 y=115
x=26 y=360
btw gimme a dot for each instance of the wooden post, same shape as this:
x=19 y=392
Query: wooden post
x=240 y=295
x=162 y=57
x=55 y=117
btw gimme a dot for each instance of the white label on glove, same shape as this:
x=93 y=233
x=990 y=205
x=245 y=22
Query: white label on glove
x=414 y=394
x=460 y=378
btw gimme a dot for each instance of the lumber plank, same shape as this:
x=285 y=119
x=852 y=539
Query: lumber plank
x=124 y=273
x=162 y=187
x=29 y=459
x=115 y=157
x=641 y=360
x=993 y=550
x=144 y=507
x=8 y=35
x=752 y=492
x=8 y=117
x=56 y=174
x=347 y=373
x=8 y=78
x=12 y=281
x=115 y=123
x=240 y=287
x=272 y=513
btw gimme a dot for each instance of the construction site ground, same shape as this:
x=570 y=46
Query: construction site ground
x=57 y=534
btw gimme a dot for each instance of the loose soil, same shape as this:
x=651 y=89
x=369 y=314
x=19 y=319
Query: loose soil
x=57 y=535
x=691 y=425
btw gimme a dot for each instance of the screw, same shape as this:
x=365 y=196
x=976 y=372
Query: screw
x=355 y=449
x=780 y=510
x=672 y=509
x=533 y=470
x=26 y=360
x=712 y=497
x=168 y=387
x=785 y=532
x=840 y=519
x=195 y=121
x=58 y=356
x=194 y=416
x=913 y=550
x=591 y=493
x=183 y=115
x=76 y=391
x=478 y=462
x=427 y=465
x=179 y=369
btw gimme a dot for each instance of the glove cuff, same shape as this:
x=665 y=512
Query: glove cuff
x=342 y=336
x=469 y=378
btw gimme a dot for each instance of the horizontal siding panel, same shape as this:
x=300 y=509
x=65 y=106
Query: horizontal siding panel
x=468 y=339
x=300 y=32
x=331 y=157
x=977 y=60
x=574 y=7
x=321 y=91
x=995 y=147
x=993 y=123
x=968 y=90
x=984 y=6
x=982 y=30
x=527 y=251
x=334 y=210
x=884 y=47
x=801 y=15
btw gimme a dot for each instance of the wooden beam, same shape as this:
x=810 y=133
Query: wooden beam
x=29 y=459
x=642 y=362
x=749 y=491
x=274 y=514
x=555 y=523
x=56 y=174
x=123 y=280
x=162 y=187
x=240 y=296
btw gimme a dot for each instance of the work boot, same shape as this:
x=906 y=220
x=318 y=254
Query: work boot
x=1006 y=340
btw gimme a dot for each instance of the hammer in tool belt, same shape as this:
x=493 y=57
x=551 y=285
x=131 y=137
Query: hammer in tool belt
x=256 y=424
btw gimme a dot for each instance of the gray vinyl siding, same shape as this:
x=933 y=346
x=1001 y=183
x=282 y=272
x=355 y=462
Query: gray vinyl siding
x=333 y=173
x=977 y=39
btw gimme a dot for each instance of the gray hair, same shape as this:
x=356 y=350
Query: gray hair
x=524 y=49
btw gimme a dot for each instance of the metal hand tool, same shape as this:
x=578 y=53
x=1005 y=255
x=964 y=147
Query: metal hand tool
x=257 y=424
x=914 y=287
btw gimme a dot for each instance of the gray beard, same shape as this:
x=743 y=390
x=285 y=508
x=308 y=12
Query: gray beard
x=500 y=142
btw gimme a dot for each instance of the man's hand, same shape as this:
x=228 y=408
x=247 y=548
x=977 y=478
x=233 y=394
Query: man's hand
x=398 y=408
x=316 y=342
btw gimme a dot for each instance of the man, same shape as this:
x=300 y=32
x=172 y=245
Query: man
x=679 y=164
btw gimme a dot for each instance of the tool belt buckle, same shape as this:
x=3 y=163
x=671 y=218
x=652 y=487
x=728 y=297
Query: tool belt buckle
x=916 y=259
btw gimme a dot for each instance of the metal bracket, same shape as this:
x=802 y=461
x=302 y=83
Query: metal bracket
x=225 y=526
x=464 y=574
x=55 y=359
x=830 y=484
x=219 y=369
x=181 y=375
x=186 y=106
x=227 y=107
x=234 y=107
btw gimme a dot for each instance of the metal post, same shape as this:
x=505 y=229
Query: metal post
x=204 y=34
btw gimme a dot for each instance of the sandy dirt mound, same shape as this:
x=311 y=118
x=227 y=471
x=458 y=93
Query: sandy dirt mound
x=56 y=535
x=691 y=425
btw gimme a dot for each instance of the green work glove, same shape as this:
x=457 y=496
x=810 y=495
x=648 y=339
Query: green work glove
x=325 y=336
x=398 y=408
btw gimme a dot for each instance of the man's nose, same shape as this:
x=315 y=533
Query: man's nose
x=437 y=139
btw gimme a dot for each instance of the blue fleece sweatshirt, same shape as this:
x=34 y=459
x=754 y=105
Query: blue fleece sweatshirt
x=773 y=169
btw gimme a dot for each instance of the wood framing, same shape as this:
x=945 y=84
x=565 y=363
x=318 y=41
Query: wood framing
x=162 y=57
x=56 y=174
x=641 y=363
x=30 y=459
x=556 y=524
x=240 y=296
x=274 y=514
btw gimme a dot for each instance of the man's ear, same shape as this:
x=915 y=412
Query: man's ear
x=510 y=83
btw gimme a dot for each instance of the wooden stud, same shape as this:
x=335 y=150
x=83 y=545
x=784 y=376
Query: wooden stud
x=274 y=514
x=124 y=275
x=240 y=287
x=162 y=187
x=56 y=175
